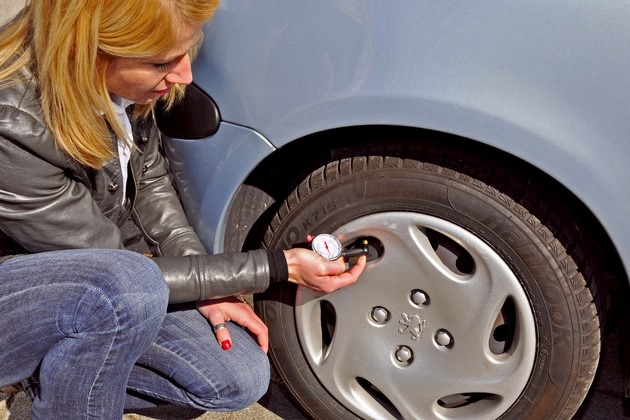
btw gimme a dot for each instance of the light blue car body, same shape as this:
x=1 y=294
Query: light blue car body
x=546 y=81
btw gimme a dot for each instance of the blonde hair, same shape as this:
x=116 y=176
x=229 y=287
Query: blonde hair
x=68 y=45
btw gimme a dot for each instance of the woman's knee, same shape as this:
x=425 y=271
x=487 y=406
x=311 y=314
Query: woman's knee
x=124 y=271
x=131 y=286
x=136 y=284
x=113 y=275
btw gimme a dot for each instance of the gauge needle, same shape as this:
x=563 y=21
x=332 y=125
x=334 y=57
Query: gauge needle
x=326 y=245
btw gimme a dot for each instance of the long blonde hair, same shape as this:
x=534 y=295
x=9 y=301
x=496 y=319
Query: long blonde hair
x=68 y=45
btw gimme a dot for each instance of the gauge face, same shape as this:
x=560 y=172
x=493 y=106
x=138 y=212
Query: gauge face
x=327 y=246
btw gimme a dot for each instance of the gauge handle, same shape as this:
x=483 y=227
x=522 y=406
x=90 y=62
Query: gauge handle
x=355 y=252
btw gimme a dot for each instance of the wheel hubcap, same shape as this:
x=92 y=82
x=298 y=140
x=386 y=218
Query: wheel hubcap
x=437 y=326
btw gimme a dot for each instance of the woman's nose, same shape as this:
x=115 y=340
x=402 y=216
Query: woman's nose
x=181 y=73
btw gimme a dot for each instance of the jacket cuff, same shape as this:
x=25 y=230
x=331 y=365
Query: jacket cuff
x=278 y=268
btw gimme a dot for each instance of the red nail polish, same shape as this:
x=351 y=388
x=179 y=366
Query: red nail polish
x=226 y=344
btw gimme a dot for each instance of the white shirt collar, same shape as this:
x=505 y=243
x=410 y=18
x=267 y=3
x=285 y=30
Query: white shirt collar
x=120 y=103
x=124 y=152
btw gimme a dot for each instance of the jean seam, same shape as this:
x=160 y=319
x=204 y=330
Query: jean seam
x=111 y=343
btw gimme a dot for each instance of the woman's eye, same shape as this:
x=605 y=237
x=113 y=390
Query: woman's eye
x=163 y=66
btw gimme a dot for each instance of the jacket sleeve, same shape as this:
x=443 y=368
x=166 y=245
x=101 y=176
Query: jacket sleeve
x=157 y=209
x=196 y=277
x=40 y=207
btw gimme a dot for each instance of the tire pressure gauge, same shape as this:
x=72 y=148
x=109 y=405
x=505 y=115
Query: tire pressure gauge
x=327 y=246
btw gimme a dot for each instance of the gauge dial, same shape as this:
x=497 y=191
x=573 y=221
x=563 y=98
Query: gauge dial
x=327 y=246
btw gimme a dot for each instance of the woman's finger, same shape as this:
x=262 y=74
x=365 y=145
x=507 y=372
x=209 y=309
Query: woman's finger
x=247 y=318
x=220 y=311
x=223 y=335
x=221 y=330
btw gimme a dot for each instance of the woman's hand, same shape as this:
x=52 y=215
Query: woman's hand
x=220 y=311
x=309 y=269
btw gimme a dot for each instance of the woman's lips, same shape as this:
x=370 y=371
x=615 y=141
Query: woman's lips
x=162 y=92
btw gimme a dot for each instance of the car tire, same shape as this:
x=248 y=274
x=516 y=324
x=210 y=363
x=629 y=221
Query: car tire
x=469 y=307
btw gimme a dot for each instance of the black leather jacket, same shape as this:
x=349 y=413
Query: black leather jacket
x=49 y=201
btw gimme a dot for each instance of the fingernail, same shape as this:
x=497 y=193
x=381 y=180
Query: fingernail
x=226 y=344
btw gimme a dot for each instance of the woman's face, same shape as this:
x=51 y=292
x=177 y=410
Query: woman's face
x=144 y=80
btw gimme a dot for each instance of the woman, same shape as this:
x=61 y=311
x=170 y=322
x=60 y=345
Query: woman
x=84 y=320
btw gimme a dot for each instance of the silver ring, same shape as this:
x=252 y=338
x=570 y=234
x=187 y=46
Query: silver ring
x=219 y=326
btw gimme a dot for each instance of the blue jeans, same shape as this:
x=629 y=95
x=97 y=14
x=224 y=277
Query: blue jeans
x=88 y=325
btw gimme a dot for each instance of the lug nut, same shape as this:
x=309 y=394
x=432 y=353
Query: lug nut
x=404 y=355
x=444 y=338
x=419 y=297
x=380 y=315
